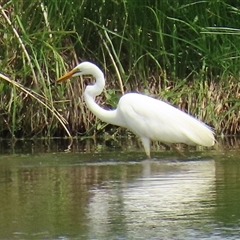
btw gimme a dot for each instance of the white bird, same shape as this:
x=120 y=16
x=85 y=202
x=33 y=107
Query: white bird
x=148 y=118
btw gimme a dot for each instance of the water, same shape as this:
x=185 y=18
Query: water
x=107 y=193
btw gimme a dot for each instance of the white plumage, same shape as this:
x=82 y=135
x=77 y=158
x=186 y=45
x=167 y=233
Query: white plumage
x=149 y=118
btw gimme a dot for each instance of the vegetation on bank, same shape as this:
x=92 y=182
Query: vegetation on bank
x=185 y=53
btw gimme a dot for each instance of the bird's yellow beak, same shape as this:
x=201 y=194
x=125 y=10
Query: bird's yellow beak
x=66 y=76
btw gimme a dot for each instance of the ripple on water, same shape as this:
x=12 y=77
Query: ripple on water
x=168 y=200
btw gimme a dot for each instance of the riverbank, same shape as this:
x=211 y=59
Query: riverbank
x=177 y=52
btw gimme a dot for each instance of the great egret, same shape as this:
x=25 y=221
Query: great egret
x=149 y=118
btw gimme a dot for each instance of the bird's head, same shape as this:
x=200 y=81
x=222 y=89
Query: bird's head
x=84 y=68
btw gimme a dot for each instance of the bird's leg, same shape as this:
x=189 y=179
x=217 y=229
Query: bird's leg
x=146 y=145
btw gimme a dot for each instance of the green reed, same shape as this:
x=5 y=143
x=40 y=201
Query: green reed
x=186 y=53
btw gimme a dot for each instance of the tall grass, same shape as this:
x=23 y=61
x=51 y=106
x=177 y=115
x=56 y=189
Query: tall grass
x=186 y=53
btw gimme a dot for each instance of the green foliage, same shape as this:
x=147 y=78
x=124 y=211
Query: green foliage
x=140 y=45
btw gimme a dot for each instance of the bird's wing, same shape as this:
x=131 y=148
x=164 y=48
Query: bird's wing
x=158 y=120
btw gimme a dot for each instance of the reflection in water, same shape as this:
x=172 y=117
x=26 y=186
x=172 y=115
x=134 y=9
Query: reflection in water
x=35 y=146
x=228 y=189
x=170 y=200
x=89 y=196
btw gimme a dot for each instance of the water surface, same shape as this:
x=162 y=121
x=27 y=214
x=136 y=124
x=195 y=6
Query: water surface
x=110 y=193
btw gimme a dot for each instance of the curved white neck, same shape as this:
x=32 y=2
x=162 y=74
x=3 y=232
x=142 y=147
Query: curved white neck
x=91 y=91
